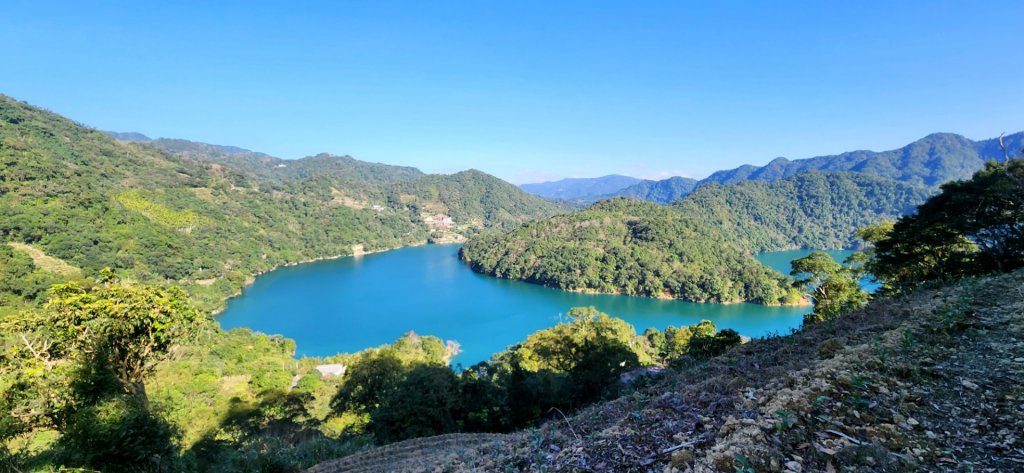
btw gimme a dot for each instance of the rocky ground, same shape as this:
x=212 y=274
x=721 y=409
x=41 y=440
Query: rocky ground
x=930 y=382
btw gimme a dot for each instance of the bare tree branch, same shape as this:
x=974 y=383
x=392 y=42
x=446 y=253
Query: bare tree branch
x=1006 y=156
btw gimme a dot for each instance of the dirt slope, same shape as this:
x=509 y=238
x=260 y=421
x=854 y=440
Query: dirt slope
x=931 y=382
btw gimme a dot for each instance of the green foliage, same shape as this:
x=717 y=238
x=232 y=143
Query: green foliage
x=698 y=341
x=210 y=217
x=973 y=227
x=21 y=282
x=809 y=210
x=663 y=192
x=930 y=161
x=833 y=288
x=131 y=326
x=371 y=379
x=184 y=221
x=703 y=346
x=79 y=366
x=566 y=347
x=698 y=248
x=117 y=434
x=425 y=402
x=629 y=247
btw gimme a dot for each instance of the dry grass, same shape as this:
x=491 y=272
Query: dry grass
x=46 y=262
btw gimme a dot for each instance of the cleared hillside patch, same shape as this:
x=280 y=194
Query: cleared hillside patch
x=46 y=262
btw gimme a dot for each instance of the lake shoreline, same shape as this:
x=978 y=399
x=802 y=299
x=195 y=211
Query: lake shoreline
x=251 y=279
x=346 y=305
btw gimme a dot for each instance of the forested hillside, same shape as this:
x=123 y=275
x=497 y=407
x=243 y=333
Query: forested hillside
x=924 y=377
x=580 y=189
x=663 y=192
x=810 y=210
x=930 y=161
x=206 y=220
x=630 y=247
x=700 y=248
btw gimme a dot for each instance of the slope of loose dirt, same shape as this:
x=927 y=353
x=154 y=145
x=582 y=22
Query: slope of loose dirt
x=930 y=382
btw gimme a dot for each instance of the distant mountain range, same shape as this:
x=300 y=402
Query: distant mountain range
x=928 y=162
x=580 y=189
x=662 y=192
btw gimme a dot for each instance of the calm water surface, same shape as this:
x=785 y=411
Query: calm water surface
x=348 y=304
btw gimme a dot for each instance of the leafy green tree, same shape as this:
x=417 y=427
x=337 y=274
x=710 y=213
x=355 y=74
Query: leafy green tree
x=369 y=381
x=120 y=434
x=426 y=402
x=974 y=226
x=79 y=366
x=564 y=347
x=833 y=288
x=131 y=327
x=704 y=346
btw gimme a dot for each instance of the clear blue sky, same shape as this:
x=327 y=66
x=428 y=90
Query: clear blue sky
x=526 y=90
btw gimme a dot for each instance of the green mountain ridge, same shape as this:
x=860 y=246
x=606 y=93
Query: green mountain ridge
x=809 y=210
x=700 y=248
x=630 y=247
x=927 y=162
x=584 y=190
x=930 y=161
x=209 y=221
x=663 y=192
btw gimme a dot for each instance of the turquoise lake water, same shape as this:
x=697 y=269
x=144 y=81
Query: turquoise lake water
x=348 y=304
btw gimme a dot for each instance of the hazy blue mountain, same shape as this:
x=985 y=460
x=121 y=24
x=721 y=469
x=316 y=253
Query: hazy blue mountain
x=199 y=150
x=129 y=136
x=930 y=161
x=663 y=192
x=581 y=189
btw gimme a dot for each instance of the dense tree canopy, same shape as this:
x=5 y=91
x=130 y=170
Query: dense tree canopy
x=973 y=227
x=210 y=217
x=700 y=248
x=809 y=210
x=832 y=287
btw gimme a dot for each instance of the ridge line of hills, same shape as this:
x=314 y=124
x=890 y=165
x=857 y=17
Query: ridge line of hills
x=212 y=217
x=927 y=162
x=879 y=389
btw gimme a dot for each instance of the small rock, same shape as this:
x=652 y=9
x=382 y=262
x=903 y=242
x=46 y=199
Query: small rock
x=681 y=458
x=794 y=466
x=1019 y=360
x=912 y=421
x=969 y=385
x=930 y=434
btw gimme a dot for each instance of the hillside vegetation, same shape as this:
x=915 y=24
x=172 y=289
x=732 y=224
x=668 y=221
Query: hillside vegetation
x=929 y=162
x=924 y=378
x=209 y=217
x=926 y=382
x=809 y=210
x=630 y=247
x=699 y=249
x=663 y=192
